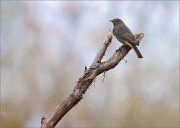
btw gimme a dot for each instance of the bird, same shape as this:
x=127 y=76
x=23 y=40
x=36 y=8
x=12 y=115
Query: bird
x=124 y=35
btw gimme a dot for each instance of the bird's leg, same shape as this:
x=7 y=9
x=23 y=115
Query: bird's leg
x=119 y=49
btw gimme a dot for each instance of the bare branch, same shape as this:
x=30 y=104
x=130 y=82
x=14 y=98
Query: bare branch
x=100 y=54
x=96 y=68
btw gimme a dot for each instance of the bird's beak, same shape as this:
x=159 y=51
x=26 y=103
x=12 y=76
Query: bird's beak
x=110 y=20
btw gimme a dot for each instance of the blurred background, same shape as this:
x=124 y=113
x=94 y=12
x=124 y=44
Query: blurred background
x=46 y=45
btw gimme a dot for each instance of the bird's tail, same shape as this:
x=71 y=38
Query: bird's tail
x=133 y=46
x=137 y=51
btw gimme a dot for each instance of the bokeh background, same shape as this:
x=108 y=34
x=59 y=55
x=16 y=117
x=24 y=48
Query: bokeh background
x=46 y=45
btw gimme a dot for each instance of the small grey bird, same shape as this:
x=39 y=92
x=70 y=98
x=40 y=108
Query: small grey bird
x=125 y=36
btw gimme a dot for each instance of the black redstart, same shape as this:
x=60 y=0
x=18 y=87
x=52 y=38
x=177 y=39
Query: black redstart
x=125 y=36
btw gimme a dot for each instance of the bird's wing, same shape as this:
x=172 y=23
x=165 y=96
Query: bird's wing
x=128 y=37
x=125 y=34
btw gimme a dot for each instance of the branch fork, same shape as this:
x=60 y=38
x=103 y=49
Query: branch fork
x=96 y=68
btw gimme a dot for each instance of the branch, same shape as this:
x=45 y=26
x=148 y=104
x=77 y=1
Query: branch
x=96 y=68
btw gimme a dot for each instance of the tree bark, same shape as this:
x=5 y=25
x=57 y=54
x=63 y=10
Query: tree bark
x=96 y=68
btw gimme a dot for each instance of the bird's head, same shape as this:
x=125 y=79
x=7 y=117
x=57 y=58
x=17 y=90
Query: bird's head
x=116 y=21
